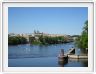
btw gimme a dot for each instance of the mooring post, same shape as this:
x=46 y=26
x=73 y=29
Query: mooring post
x=62 y=59
x=62 y=52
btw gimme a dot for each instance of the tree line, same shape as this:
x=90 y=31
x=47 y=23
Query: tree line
x=45 y=40
x=14 y=40
x=40 y=39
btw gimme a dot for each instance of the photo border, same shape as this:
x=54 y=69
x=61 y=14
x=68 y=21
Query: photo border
x=48 y=0
x=95 y=37
x=0 y=36
x=90 y=6
x=49 y=73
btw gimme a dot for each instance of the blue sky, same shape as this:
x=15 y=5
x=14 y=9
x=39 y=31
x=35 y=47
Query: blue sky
x=53 y=20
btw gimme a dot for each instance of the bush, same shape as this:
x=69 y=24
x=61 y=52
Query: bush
x=14 y=40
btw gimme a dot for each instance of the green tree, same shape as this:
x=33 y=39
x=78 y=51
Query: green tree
x=82 y=41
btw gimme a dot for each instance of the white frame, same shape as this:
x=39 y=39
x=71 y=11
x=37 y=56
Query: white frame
x=48 y=0
x=94 y=37
x=90 y=6
x=50 y=73
x=0 y=37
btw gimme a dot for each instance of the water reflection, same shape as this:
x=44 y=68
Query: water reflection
x=62 y=63
x=77 y=63
x=47 y=55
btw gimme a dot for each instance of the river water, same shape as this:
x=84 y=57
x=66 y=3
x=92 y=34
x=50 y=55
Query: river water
x=27 y=55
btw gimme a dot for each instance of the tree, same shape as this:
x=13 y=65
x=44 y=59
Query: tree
x=82 y=41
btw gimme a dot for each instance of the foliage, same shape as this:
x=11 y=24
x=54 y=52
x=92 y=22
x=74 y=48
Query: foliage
x=36 y=42
x=14 y=40
x=82 y=41
x=45 y=40
x=51 y=40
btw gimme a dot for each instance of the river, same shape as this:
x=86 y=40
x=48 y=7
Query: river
x=27 y=55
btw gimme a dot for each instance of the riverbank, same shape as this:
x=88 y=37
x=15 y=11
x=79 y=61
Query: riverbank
x=38 y=40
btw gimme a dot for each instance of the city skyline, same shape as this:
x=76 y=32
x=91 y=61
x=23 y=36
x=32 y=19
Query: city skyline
x=52 y=20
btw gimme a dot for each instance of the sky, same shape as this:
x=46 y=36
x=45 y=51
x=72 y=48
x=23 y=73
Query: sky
x=52 y=20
